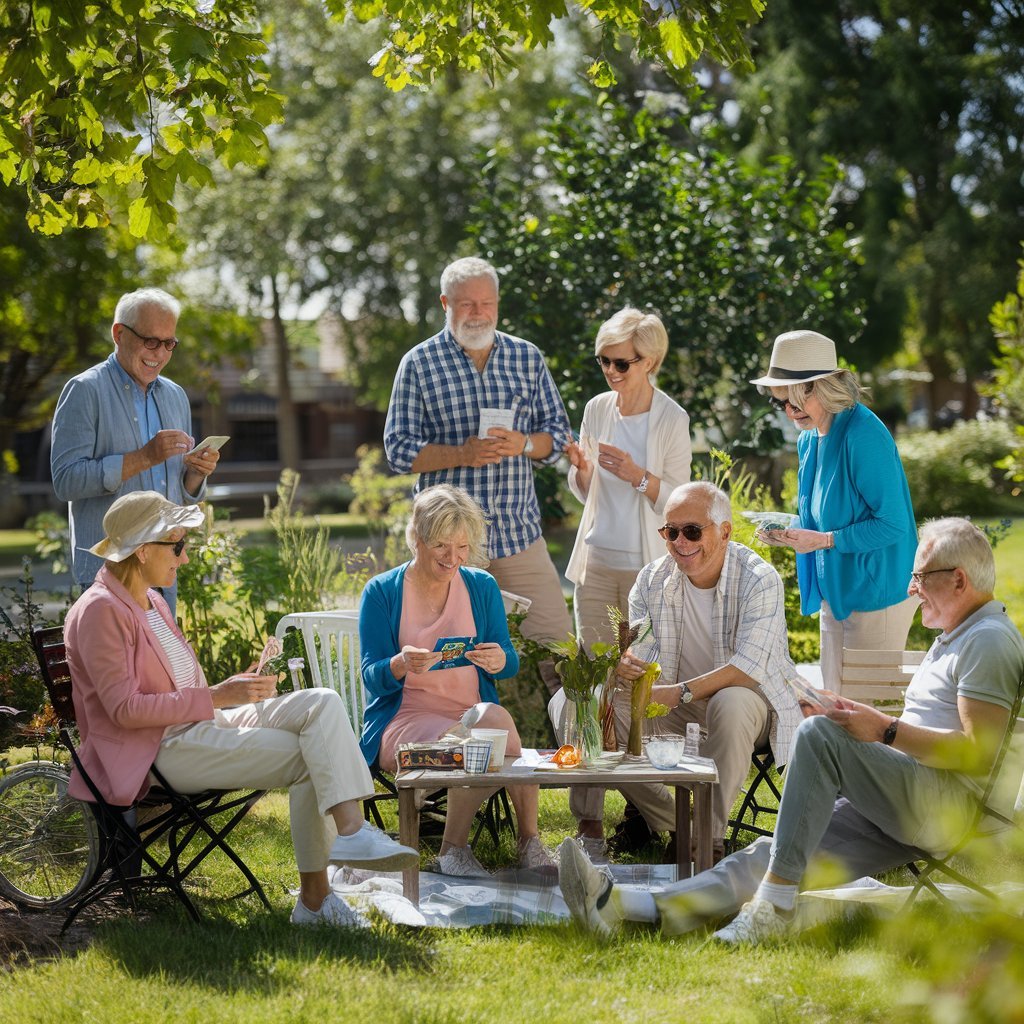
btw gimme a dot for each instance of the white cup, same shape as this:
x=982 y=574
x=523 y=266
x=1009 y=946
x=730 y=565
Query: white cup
x=498 y=738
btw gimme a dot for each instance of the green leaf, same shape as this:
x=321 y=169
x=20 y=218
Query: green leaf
x=140 y=214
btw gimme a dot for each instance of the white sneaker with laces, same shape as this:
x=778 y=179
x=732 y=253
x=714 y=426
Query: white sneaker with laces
x=460 y=862
x=333 y=911
x=759 y=921
x=586 y=890
x=534 y=856
x=371 y=848
x=595 y=848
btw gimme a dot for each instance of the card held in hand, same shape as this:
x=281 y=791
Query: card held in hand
x=453 y=651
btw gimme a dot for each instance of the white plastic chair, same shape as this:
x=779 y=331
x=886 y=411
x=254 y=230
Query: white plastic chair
x=331 y=639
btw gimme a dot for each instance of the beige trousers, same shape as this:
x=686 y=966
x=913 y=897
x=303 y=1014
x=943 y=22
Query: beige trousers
x=301 y=740
x=602 y=588
x=532 y=574
x=883 y=630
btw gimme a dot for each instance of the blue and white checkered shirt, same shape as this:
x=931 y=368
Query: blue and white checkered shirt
x=437 y=399
x=748 y=624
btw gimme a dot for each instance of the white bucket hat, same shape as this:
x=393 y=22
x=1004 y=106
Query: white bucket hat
x=799 y=357
x=141 y=518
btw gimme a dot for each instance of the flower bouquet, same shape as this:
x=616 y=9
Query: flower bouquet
x=581 y=674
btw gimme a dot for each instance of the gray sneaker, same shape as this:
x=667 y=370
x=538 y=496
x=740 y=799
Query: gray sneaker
x=596 y=849
x=759 y=921
x=586 y=890
x=371 y=848
x=534 y=856
x=333 y=911
x=461 y=862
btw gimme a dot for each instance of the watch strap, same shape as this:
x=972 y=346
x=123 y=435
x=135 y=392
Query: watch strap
x=889 y=736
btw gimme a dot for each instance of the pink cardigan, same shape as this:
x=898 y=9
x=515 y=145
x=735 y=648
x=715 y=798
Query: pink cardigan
x=123 y=689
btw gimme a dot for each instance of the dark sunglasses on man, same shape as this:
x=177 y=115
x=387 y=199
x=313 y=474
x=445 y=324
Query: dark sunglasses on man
x=621 y=365
x=153 y=343
x=691 y=531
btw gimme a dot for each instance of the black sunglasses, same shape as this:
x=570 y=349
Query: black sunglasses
x=691 y=531
x=622 y=365
x=178 y=545
x=782 y=403
x=153 y=343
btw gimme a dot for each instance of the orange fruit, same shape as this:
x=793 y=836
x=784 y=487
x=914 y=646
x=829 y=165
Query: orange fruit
x=567 y=756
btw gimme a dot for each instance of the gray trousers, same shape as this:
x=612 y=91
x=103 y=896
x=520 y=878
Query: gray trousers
x=866 y=807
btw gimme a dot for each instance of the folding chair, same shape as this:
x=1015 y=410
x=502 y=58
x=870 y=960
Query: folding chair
x=751 y=808
x=112 y=848
x=331 y=641
x=984 y=822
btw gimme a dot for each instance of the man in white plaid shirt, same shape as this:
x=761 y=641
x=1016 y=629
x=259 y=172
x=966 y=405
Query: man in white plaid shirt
x=468 y=380
x=712 y=614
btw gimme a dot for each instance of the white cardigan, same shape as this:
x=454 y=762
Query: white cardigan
x=668 y=458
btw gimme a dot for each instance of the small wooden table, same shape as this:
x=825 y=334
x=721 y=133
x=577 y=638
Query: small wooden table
x=695 y=821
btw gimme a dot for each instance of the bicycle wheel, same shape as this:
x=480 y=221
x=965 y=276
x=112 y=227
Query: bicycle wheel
x=49 y=841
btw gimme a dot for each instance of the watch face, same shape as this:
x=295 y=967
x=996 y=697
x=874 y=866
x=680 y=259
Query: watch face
x=687 y=695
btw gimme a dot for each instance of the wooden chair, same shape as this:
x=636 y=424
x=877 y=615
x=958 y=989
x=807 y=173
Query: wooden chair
x=331 y=641
x=878 y=677
x=104 y=848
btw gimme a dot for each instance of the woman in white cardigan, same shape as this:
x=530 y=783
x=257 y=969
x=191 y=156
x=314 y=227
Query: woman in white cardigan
x=640 y=441
x=634 y=449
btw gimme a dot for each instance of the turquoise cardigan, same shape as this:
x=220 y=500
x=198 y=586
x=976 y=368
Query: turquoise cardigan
x=866 y=506
x=380 y=613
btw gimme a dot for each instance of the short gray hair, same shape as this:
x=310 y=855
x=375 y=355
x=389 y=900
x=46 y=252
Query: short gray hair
x=958 y=544
x=440 y=512
x=469 y=268
x=644 y=330
x=129 y=306
x=836 y=392
x=718 y=504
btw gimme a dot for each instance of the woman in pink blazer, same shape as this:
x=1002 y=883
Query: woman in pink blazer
x=141 y=699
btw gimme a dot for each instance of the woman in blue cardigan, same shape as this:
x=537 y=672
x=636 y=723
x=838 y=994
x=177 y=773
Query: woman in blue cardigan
x=402 y=615
x=856 y=537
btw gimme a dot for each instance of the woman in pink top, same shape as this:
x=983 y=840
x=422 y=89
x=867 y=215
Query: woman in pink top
x=141 y=699
x=404 y=612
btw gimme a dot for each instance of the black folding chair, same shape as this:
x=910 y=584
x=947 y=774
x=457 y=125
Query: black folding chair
x=765 y=780
x=983 y=825
x=128 y=858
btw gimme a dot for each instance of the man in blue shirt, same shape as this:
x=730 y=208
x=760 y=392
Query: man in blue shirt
x=475 y=408
x=120 y=426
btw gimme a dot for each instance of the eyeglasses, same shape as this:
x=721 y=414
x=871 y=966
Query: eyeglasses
x=782 y=403
x=621 y=365
x=918 y=577
x=691 y=531
x=177 y=545
x=153 y=343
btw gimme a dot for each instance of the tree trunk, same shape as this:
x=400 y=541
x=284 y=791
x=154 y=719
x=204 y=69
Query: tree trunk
x=288 y=446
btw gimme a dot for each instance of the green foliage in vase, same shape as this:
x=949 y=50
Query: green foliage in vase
x=582 y=672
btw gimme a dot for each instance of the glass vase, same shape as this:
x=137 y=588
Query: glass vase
x=583 y=728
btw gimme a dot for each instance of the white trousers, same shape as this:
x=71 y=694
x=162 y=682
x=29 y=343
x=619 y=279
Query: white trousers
x=302 y=741
x=882 y=630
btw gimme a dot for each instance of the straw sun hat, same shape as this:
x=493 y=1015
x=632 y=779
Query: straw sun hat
x=140 y=518
x=799 y=357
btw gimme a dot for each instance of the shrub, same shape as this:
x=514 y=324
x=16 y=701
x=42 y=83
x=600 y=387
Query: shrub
x=953 y=472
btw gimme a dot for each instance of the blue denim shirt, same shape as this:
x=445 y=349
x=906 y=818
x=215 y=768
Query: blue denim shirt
x=94 y=425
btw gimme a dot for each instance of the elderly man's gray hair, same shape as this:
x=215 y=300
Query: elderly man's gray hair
x=718 y=504
x=469 y=268
x=129 y=306
x=958 y=544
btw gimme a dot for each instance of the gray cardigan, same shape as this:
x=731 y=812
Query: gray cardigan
x=93 y=427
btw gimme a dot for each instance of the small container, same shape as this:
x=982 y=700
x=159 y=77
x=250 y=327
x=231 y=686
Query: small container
x=664 y=751
x=691 y=748
x=477 y=756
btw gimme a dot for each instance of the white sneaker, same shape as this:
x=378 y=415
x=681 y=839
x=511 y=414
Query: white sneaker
x=333 y=911
x=759 y=921
x=461 y=862
x=586 y=890
x=534 y=856
x=595 y=848
x=371 y=848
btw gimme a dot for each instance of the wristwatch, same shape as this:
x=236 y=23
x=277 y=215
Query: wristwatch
x=889 y=736
x=528 y=447
x=642 y=486
x=685 y=694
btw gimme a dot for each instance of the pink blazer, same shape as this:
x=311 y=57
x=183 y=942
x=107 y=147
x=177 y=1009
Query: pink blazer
x=123 y=690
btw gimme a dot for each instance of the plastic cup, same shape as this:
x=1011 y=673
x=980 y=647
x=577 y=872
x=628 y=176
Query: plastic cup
x=498 y=738
x=476 y=756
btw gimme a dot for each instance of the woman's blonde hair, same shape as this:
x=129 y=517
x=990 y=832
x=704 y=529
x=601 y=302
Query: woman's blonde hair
x=440 y=512
x=644 y=330
x=836 y=392
x=125 y=570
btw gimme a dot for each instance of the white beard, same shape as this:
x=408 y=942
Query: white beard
x=472 y=338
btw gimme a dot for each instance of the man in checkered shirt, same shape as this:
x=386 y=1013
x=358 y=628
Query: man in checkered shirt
x=471 y=380
x=712 y=615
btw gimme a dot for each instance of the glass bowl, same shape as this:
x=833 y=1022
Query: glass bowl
x=664 y=751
